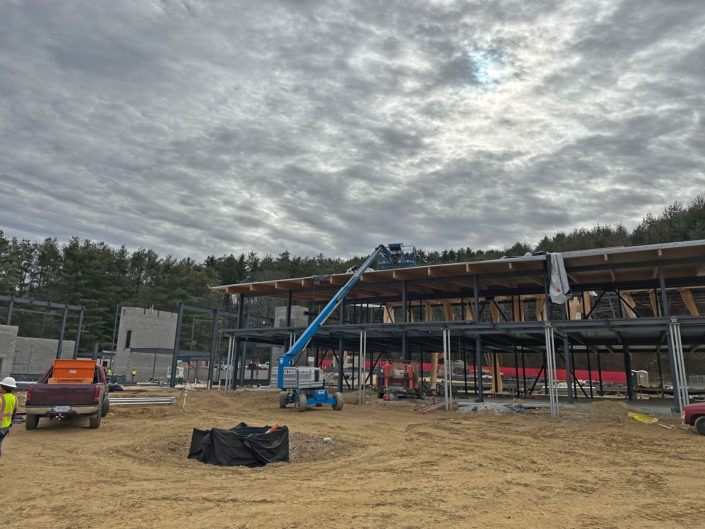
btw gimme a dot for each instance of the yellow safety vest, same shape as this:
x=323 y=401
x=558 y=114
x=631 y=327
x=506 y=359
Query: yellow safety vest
x=7 y=406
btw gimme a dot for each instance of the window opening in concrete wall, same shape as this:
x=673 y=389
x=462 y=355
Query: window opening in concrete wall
x=128 y=337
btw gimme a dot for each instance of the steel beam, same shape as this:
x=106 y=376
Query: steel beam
x=48 y=304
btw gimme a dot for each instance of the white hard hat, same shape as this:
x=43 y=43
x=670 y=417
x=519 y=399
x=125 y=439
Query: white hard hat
x=9 y=382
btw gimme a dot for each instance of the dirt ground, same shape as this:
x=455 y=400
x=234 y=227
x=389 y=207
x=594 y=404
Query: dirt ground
x=385 y=466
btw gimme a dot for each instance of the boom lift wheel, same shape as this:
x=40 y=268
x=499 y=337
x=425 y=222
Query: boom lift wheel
x=300 y=402
x=282 y=399
x=700 y=425
x=338 y=401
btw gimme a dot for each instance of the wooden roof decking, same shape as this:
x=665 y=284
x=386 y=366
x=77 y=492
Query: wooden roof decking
x=682 y=261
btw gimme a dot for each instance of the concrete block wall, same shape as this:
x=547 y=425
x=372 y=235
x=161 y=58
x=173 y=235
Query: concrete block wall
x=8 y=339
x=147 y=328
x=34 y=355
x=145 y=366
x=299 y=316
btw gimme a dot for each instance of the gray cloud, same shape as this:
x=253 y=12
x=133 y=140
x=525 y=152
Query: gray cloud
x=199 y=128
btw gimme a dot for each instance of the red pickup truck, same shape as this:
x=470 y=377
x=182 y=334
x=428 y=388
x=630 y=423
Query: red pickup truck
x=68 y=388
x=695 y=416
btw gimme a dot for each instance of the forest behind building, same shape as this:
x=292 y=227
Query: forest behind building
x=101 y=278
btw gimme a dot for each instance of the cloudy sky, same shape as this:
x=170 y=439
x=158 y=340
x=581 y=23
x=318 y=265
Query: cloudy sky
x=199 y=127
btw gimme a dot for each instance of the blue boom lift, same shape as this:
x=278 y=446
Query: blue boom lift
x=305 y=386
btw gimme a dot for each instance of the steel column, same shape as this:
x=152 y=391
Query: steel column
x=61 y=334
x=465 y=368
x=78 y=333
x=243 y=362
x=214 y=341
x=340 y=363
x=237 y=373
x=671 y=353
x=495 y=374
x=680 y=375
x=9 y=310
x=523 y=367
x=117 y=311
x=599 y=372
x=289 y=300
x=474 y=373
x=628 y=371
x=660 y=369
x=404 y=318
x=478 y=340
x=567 y=358
x=177 y=343
x=587 y=350
x=551 y=371
x=447 y=371
x=229 y=368
x=478 y=367
x=516 y=370
x=361 y=367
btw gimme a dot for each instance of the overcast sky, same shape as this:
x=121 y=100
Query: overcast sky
x=210 y=127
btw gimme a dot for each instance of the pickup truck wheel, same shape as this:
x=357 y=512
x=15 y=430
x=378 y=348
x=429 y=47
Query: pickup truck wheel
x=338 y=401
x=282 y=399
x=31 y=421
x=95 y=420
x=300 y=402
x=105 y=409
x=700 y=425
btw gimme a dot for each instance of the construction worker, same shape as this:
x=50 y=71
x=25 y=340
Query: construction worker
x=134 y=374
x=7 y=406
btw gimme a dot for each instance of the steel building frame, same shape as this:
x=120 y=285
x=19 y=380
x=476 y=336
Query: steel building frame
x=482 y=289
x=49 y=305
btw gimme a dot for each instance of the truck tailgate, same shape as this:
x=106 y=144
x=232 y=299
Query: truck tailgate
x=58 y=394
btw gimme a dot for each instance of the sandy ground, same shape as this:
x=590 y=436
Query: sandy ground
x=385 y=466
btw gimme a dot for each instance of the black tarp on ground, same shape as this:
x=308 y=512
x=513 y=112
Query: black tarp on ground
x=243 y=445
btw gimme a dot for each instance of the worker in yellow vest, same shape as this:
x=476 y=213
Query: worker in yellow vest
x=7 y=406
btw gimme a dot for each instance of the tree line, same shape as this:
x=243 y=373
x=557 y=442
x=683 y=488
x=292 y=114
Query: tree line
x=99 y=277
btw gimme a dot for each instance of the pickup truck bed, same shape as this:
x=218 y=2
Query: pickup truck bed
x=60 y=401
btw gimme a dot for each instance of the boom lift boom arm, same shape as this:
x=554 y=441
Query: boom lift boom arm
x=287 y=358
